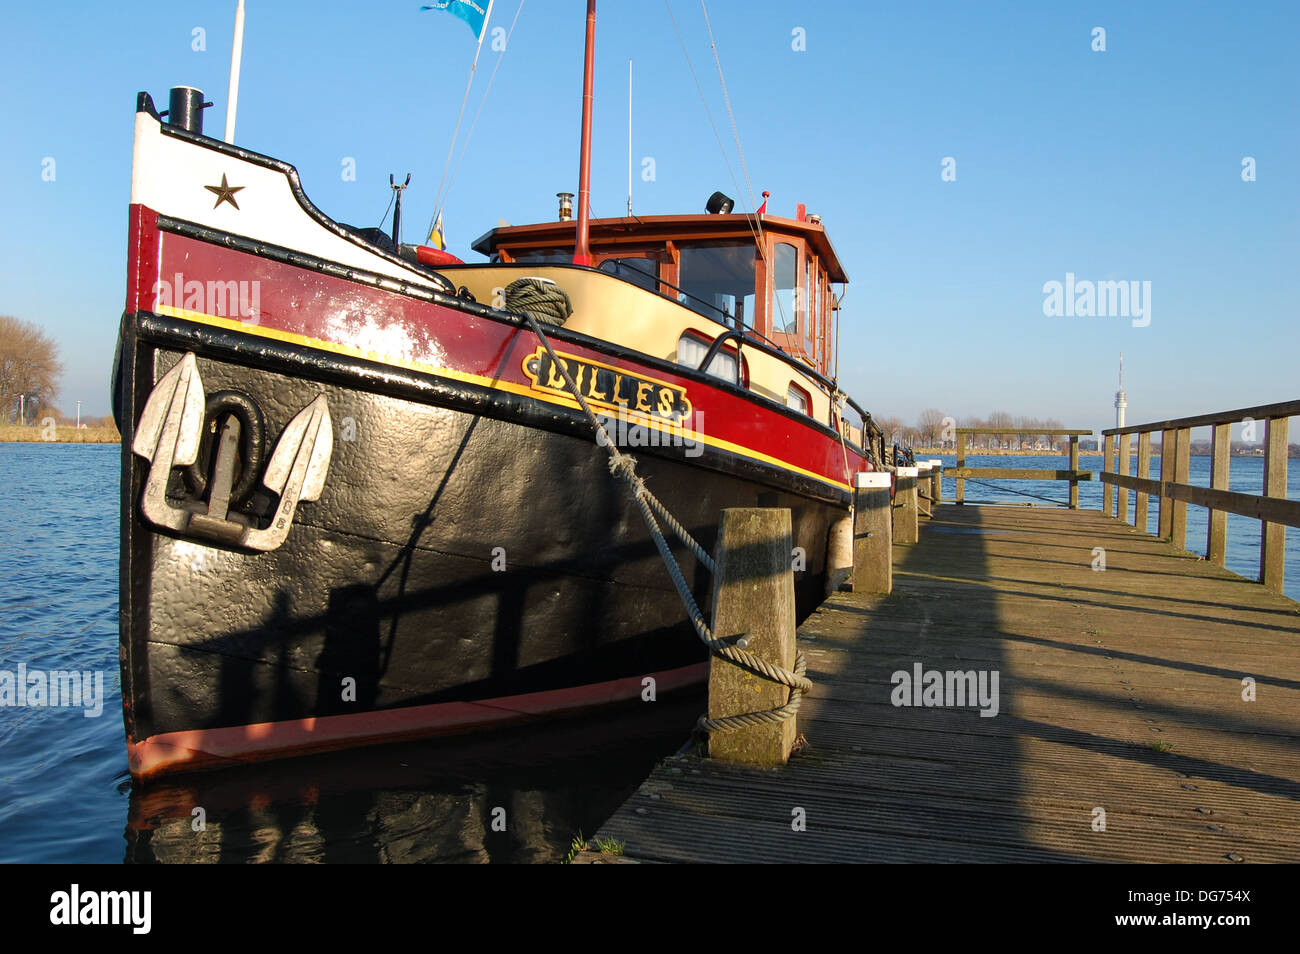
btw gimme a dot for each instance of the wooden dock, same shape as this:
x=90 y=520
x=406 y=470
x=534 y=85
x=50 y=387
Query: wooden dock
x=1119 y=689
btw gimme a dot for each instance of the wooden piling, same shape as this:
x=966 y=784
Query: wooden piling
x=1107 y=458
x=754 y=596
x=906 y=528
x=1182 y=468
x=1121 y=503
x=1216 y=543
x=1164 y=527
x=923 y=488
x=1141 y=504
x=839 y=555
x=1074 y=469
x=936 y=483
x=1272 y=543
x=873 y=535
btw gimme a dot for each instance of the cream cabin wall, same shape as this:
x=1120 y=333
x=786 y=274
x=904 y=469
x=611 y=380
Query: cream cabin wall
x=619 y=312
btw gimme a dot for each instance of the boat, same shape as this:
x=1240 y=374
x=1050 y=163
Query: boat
x=360 y=501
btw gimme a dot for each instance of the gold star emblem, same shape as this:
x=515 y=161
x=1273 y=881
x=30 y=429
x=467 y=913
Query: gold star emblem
x=224 y=192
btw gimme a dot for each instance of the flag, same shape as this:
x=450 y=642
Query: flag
x=435 y=234
x=473 y=12
x=762 y=209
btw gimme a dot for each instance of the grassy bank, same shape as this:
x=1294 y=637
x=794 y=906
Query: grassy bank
x=35 y=434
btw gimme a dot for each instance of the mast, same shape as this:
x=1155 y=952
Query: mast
x=236 y=57
x=629 y=137
x=581 y=250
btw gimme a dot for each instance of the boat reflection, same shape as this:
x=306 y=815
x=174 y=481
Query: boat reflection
x=519 y=795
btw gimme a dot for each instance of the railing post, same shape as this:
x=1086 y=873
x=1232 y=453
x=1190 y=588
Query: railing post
x=873 y=534
x=1272 y=536
x=753 y=595
x=1182 y=470
x=1107 y=460
x=1166 y=522
x=1121 y=503
x=936 y=482
x=923 y=489
x=1074 y=466
x=1216 y=542
x=961 y=462
x=905 y=523
x=1140 y=516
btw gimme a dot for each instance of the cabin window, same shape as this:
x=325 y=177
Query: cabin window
x=807 y=308
x=784 y=282
x=642 y=272
x=797 y=398
x=692 y=350
x=541 y=255
x=717 y=280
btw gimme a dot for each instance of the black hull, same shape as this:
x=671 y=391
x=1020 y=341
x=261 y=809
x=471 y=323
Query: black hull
x=392 y=578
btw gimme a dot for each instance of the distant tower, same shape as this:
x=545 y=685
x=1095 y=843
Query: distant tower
x=1121 y=400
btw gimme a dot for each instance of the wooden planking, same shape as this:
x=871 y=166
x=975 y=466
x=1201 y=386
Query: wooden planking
x=1119 y=689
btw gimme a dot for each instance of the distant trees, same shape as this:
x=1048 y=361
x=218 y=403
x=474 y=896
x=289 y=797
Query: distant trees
x=29 y=365
x=929 y=426
x=892 y=428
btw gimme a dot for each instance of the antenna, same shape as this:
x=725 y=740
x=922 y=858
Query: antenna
x=236 y=57
x=397 y=208
x=629 y=137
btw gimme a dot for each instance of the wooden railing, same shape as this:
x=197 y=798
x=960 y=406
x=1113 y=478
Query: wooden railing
x=1174 y=493
x=1073 y=475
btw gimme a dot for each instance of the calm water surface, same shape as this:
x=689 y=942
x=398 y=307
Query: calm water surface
x=65 y=794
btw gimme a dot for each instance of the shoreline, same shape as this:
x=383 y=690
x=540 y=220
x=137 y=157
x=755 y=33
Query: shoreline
x=36 y=434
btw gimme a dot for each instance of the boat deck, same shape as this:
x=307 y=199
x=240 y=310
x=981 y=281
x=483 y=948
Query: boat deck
x=1120 y=690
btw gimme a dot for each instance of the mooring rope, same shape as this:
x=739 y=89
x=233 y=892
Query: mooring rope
x=624 y=466
x=539 y=298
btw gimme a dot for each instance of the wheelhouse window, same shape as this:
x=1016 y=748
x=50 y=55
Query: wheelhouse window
x=691 y=351
x=797 y=398
x=785 y=264
x=717 y=280
x=542 y=256
x=640 y=271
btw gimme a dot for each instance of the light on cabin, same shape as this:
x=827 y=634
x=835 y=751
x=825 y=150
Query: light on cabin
x=566 y=205
x=719 y=204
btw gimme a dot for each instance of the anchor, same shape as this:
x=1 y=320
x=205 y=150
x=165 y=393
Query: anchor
x=169 y=435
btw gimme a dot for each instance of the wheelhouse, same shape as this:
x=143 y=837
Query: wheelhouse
x=765 y=277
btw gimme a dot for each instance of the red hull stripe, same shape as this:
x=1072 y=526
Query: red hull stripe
x=314 y=309
x=207 y=748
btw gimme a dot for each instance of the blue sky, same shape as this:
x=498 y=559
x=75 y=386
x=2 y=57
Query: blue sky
x=1116 y=165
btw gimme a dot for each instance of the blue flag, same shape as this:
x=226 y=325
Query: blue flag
x=473 y=12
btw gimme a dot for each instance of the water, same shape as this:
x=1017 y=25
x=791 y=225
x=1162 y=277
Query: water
x=1245 y=474
x=66 y=795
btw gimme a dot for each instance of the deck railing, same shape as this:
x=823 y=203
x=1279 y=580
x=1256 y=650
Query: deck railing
x=1073 y=475
x=1174 y=493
